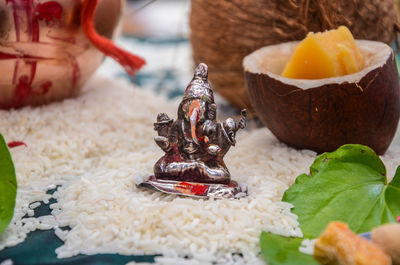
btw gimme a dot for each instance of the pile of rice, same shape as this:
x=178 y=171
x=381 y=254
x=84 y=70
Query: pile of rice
x=99 y=145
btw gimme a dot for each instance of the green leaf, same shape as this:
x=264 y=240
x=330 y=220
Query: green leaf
x=347 y=185
x=279 y=250
x=8 y=186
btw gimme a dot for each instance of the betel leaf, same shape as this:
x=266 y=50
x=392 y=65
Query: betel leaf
x=347 y=185
x=280 y=250
x=8 y=186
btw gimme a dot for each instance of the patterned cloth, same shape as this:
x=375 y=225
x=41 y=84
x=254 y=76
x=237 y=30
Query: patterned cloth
x=169 y=65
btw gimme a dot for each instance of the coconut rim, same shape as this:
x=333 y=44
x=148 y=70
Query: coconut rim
x=375 y=53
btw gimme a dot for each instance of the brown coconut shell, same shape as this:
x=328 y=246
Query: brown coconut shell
x=323 y=114
x=224 y=31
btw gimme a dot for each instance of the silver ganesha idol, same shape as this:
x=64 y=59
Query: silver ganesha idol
x=195 y=145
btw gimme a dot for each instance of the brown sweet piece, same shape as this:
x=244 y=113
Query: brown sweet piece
x=339 y=245
x=388 y=238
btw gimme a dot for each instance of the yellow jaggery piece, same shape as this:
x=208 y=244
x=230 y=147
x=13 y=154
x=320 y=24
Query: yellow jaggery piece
x=326 y=54
x=339 y=245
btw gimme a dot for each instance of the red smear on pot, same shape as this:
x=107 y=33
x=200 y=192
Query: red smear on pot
x=22 y=90
x=16 y=144
x=49 y=11
x=6 y=56
x=76 y=71
x=46 y=87
x=26 y=16
x=130 y=62
x=398 y=219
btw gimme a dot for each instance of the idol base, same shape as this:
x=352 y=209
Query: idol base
x=194 y=189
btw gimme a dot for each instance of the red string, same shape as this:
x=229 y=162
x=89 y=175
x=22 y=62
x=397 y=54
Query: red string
x=130 y=62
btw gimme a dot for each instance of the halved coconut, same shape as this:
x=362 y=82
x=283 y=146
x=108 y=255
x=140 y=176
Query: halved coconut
x=323 y=114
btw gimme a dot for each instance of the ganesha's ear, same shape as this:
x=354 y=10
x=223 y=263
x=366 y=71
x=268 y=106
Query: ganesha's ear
x=213 y=109
x=213 y=106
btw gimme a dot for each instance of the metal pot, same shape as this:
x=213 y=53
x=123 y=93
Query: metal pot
x=44 y=54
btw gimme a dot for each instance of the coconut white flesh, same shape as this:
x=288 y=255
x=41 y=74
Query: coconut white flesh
x=271 y=61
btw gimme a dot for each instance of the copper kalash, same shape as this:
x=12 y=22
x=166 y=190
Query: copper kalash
x=195 y=145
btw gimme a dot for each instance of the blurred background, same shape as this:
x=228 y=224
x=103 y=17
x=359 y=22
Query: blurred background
x=157 y=31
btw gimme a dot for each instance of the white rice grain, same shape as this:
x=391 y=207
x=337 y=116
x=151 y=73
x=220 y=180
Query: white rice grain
x=7 y=262
x=307 y=246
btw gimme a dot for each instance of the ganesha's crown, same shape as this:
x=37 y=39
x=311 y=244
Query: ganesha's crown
x=199 y=87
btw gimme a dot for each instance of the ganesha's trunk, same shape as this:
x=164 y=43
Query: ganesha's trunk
x=194 y=116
